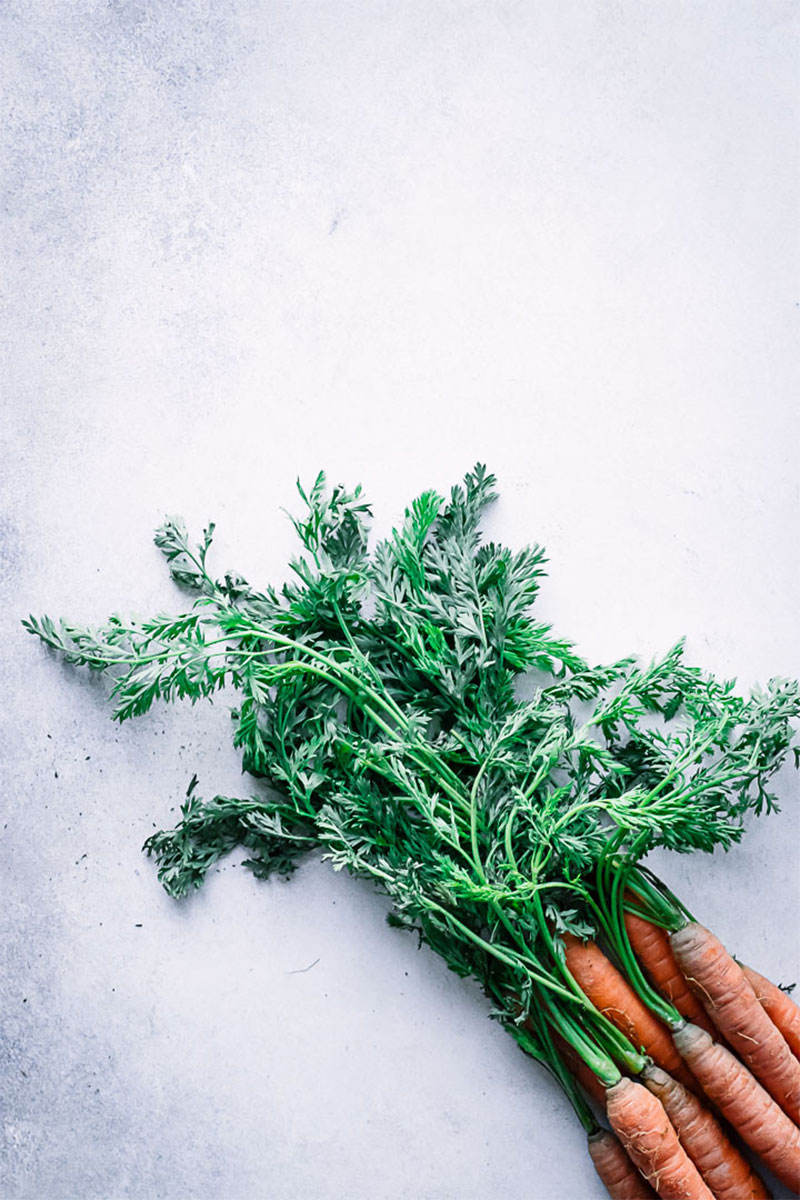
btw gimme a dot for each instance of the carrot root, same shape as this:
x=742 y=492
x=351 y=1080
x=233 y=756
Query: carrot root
x=640 y=1122
x=622 y=1180
x=611 y=993
x=780 y=1008
x=651 y=946
x=743 y=1102
x=726 y=1172
x=731 y=1004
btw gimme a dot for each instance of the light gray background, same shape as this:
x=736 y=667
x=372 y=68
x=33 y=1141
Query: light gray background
x=243 y=241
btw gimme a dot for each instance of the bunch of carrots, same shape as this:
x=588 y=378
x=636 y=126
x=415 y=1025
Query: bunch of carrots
x=722 y=1045
x=378 y=699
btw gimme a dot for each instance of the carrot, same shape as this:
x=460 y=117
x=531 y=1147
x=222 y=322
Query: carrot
x=622 y=1180
x=725 y=1170
x=743 y=1102
x=651 y=946
x=612 y=994
x=780 y=1008
x=640 y=1123
x=732 y=1005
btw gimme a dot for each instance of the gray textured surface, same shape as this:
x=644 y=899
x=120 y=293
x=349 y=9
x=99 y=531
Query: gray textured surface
x=243 y=241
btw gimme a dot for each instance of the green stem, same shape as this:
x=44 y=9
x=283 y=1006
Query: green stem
x=681 y=763
x=592 y=1054
x=447 y=778
x=510 y=958
x=662 y=906
x=613 y=901
x=473 y=816
x=546 y=1052
x=508 y=842
x=541 y=774
x=616 y=1041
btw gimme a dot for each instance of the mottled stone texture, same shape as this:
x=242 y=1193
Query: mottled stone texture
x=247 y=239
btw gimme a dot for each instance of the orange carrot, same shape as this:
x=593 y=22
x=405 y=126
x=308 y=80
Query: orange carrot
x=724 y=1169
x=622 y=1180
x=609 y=991
x=779 y=1007
x=640 y=1123
x=731 y=1003
x=743 y=1102
x=651 y=946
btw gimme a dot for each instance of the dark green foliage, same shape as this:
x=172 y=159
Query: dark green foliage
x=208 y=830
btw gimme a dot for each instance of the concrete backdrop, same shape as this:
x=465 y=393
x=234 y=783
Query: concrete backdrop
x=243 y=241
